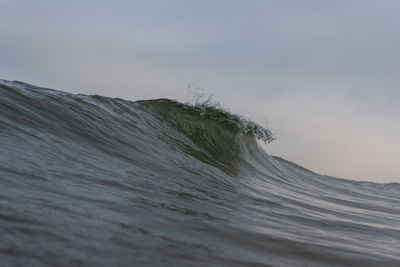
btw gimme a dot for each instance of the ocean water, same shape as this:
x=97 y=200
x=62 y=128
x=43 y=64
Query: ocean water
x=95 y=181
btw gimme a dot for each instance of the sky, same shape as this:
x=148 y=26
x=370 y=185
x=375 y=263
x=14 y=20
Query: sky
x=322 y=75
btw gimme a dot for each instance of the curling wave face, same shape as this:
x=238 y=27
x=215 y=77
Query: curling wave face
x=96 y=181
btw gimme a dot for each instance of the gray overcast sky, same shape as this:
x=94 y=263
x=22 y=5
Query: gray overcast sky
x=323 y=74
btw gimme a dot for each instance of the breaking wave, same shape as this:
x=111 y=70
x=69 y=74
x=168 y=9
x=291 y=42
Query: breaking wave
x=96 y=181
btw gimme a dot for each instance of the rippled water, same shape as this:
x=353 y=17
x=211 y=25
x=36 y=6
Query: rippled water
x=96 y=181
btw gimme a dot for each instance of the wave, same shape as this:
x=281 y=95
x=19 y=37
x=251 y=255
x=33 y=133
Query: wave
x=92 y=180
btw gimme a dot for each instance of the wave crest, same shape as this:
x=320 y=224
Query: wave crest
x=208 y=116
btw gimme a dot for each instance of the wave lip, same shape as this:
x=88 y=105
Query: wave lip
x=97 y=181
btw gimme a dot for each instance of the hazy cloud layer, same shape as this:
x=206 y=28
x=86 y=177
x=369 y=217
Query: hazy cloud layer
x=324 y=74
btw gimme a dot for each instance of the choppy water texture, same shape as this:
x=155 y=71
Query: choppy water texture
x=96 y=181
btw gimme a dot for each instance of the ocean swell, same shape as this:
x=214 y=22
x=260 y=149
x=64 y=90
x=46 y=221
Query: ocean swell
x=96 y=181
